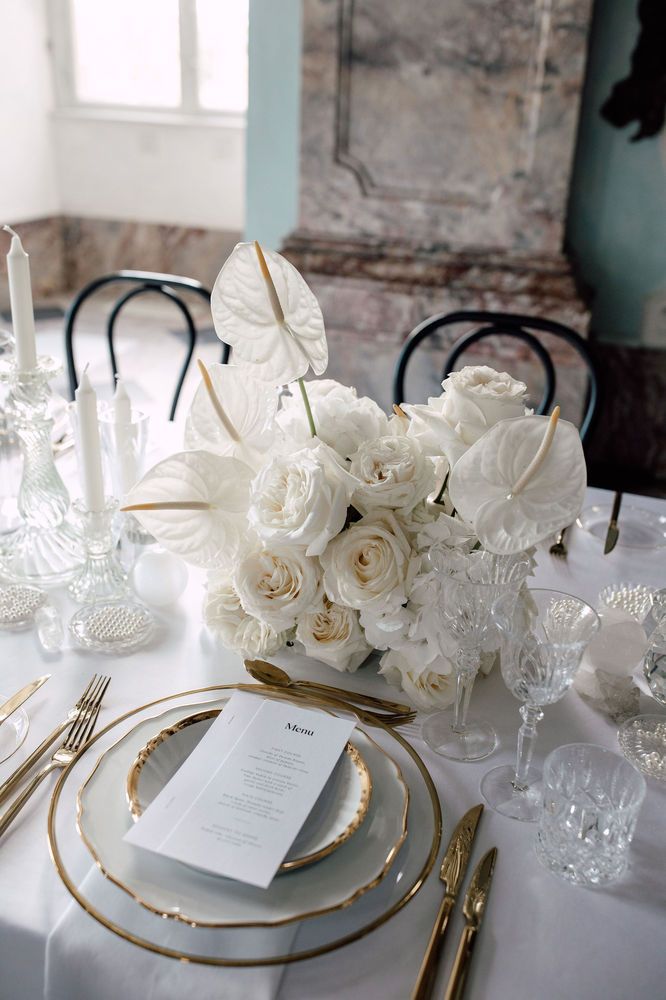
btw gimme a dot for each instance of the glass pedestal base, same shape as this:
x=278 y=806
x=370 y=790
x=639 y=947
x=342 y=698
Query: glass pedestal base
x=41 y=556
x=498 y=791
x=478 y=740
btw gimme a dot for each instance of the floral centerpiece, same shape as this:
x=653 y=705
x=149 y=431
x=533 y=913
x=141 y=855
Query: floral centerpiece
x=314 y=512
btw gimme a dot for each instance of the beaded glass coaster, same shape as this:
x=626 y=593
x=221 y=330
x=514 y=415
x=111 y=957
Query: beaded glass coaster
x=113 y=627
x=643 y=743
x=18 y=605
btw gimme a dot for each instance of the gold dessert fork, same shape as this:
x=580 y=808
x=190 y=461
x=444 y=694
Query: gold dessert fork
x=80 y=731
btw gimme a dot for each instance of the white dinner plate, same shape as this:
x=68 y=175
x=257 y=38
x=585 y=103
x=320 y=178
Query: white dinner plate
x=170 y=889
x=335 y=817
x=639 y=527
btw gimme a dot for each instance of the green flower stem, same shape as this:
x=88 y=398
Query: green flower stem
x=438 y=498
x=308 y=411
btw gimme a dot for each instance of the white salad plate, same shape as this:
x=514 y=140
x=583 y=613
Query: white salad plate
x=171 y=889
x=336 y=815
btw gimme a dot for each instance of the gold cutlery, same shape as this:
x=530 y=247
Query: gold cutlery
x=17 y=699
x=613 y=532
x=451 y=874
x=268 y=673
x=473 y=908
x=558 y=548
x=81 y=729
x=89 y=694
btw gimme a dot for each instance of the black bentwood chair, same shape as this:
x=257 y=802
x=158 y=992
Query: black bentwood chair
x=492 y=324
x=171 y=286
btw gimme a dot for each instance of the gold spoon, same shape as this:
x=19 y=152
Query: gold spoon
x=268 y=673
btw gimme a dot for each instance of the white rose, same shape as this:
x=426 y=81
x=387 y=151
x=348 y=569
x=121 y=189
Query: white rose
x=473 y=400
x=427 y=685
x=370 y=564
x=342 y=420
x=332 y=634
x=278 y=585
x=224 y=614
x=393 y=473
x=301 y=499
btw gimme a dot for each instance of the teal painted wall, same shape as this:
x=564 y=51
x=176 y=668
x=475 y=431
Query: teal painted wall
x=617 y=212
x=273 y=120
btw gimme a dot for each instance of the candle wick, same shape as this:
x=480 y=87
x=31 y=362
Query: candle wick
x=8 y=229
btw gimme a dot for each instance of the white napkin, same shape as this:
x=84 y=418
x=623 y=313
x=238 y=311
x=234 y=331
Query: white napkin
x=84 y=959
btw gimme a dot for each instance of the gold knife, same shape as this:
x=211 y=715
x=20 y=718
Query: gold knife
x=17 y=699
x=473 y=908
x=613 y=532
x=451 y=873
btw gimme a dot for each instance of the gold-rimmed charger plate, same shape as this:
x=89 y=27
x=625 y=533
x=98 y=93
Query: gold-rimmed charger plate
x=244 y=948
x=200 y=899
x=335 y=817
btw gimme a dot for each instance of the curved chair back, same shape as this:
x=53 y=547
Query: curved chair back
x=493 y=324
x=169 y=286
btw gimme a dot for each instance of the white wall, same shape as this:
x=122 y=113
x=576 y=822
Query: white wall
x=179 y=174
x=27 y=174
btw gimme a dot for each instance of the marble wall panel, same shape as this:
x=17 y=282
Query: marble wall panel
x=441 y=120
x=43 y=240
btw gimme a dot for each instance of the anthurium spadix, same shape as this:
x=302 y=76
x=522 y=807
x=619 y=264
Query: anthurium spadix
x=263 y=308
x=522 y=481
x=233 y=414
x=195 y=504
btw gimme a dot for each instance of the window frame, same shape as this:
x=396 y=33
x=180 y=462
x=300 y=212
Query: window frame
x=188 y=112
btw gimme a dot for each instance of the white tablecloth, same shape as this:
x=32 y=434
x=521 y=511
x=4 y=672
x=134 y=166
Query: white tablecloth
x=541 y=938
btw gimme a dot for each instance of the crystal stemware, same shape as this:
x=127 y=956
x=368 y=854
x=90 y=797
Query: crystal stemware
x=469 y=585
x=543 y=635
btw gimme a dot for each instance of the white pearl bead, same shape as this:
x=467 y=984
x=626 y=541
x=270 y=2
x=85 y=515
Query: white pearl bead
x=159 y=577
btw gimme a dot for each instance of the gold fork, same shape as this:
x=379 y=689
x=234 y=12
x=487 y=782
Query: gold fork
x=80 y=731
x=15 y=778
x=558 y=548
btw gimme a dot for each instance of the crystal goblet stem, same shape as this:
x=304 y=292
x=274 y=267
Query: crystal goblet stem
x=527 y=736
x=467 y=666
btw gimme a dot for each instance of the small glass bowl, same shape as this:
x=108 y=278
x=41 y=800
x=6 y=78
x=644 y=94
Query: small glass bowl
x=112 y=627
x=633 y=598
x=643 y=742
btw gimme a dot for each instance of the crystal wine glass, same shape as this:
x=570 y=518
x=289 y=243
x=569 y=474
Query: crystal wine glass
x=543 y=634
x=469 y=585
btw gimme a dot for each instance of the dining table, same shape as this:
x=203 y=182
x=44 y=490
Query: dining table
x=541 y=937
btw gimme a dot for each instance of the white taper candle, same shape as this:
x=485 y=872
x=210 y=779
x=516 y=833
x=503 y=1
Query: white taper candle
x=125 y=453
x=20 y=297
x=90 y=455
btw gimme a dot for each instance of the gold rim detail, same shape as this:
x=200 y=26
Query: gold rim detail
x=293 y=956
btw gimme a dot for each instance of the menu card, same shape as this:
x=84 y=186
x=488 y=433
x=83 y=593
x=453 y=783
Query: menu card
x=247 y=789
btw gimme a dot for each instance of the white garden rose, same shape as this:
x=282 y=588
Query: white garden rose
x=277 y=585
x=393 y=473
x=301 y=499
x=342 y=419
x=332 y=634
x=224 y=614
x=428 y=685
x=474 y=399
x=370 y=564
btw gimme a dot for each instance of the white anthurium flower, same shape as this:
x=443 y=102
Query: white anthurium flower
x=521 y=482
x=333 y=635
x=474 y=399
x=393 y=473
x=370 y=564
x=301 y=499
x=263 y=308
x=428 y=683
x=195 y=504
x=278 y=585
x=232 y=413
x=342 y=418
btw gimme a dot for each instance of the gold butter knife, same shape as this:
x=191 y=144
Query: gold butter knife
x=613 y=532
x=17 y=699
x=473 y=908
x=451 y=873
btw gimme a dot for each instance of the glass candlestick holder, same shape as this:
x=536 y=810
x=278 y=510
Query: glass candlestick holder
x=45 y=548
x=101 y=578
